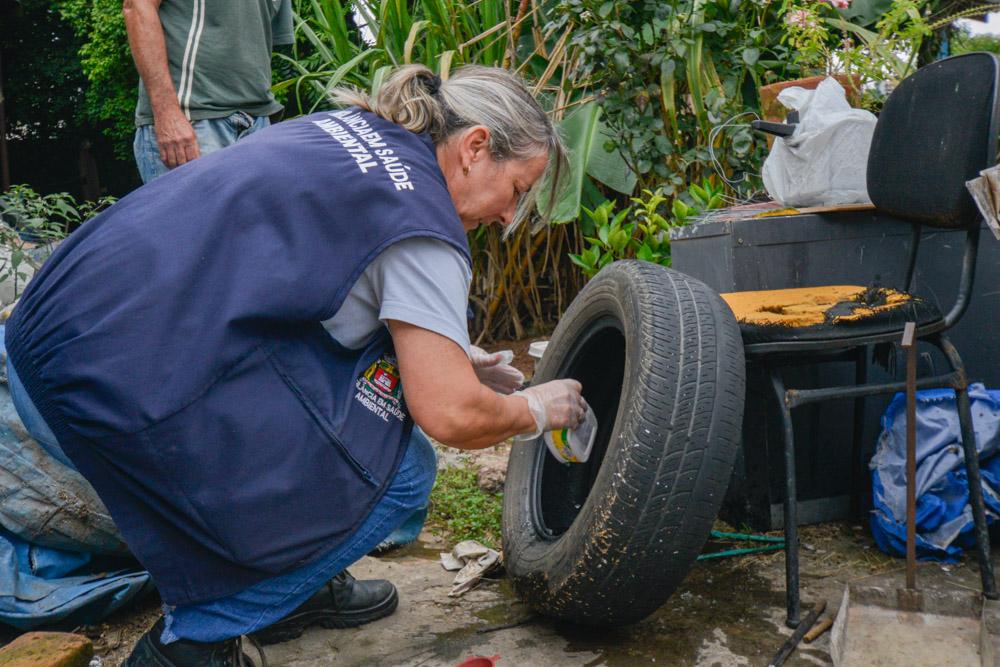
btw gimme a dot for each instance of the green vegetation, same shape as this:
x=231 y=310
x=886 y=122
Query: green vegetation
x=42 y=100
x=330 y=51
x=667 y=73
x=109 y=99
x=640 y=231
x=462 y=510
x=964 y=41
x=31 y=223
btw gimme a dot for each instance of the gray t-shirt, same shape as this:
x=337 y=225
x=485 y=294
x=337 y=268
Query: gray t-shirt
x=219 y=54
x=421 y=281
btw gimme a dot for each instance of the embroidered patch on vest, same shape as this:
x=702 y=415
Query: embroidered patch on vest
x=380 y=390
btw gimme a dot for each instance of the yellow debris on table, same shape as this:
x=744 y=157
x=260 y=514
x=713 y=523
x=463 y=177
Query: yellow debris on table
x=808 y=306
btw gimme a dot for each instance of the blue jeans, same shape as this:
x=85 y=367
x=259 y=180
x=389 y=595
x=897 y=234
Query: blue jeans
x=32 y=420
x=213 y=134
x=270 y=600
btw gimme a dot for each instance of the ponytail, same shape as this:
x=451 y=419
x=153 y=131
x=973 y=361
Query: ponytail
x=415 y=98
x=410 y=97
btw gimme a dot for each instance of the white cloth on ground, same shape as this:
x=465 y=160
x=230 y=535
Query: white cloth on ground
x=473 y=561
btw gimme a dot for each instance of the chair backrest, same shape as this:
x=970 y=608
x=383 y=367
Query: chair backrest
x=937 y=130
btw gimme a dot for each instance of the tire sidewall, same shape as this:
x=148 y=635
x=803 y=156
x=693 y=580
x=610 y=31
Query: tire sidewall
x=594 y=554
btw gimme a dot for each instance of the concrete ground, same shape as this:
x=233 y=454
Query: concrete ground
x=728 y=612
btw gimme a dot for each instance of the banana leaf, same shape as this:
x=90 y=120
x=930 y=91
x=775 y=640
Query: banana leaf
x=585 y=136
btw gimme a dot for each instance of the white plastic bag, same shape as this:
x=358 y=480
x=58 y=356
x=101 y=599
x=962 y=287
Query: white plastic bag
x=825 y=162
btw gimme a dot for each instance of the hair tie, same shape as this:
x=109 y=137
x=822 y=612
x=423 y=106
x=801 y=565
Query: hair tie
x=433 y=84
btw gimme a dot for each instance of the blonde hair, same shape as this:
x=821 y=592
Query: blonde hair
x=418 y=100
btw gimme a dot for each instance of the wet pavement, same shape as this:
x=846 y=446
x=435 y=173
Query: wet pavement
x=727 y=612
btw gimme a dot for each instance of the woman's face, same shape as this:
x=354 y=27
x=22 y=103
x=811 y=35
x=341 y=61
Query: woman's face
x=483 y=190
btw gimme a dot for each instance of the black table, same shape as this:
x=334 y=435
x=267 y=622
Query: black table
x=843 y=247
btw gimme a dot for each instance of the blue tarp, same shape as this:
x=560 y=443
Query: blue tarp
x=944 y=516
x=43 y=586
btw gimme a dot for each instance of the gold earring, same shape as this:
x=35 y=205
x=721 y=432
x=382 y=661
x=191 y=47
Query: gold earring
x=465 y=170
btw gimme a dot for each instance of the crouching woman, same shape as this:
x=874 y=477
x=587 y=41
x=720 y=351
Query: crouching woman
x=235 y=354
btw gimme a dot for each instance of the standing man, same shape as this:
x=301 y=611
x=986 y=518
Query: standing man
x=205 y=71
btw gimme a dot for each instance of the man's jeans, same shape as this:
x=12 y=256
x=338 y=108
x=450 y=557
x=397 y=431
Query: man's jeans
x=213 y=134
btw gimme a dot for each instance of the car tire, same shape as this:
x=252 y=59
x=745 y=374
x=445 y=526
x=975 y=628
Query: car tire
x=660 y=358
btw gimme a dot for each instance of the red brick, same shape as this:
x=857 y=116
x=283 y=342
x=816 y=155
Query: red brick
x=47 y=649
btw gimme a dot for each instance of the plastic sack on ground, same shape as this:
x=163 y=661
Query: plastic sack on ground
x=825 y=161
x=41 y=586
x=944 y=516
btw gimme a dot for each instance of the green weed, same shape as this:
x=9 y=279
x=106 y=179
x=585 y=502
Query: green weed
x=462 y=511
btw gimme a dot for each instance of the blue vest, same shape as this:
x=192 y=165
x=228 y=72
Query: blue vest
x=174 y=346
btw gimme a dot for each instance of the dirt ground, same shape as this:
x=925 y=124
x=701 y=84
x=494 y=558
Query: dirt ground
x=728 y=612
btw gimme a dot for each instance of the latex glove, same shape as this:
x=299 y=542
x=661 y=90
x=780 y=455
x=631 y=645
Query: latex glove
x=494 y=370
x=554 y=405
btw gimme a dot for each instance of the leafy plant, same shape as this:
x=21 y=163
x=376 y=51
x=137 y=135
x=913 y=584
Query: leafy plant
x=463 y=510
x=43 y=88
x=642 y=231
x=828 y=37
x=963 y=41
x=330 y=51
x=889 y=51
x=30 y=224
x=109 y=100
x=667 y=73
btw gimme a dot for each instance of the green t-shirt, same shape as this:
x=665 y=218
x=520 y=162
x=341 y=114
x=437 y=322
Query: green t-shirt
x=219 y=53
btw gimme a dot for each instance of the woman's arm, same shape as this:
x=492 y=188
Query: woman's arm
x=444 y=396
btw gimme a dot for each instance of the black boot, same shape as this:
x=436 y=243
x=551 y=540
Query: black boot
x=149 y=652
x=343 y=602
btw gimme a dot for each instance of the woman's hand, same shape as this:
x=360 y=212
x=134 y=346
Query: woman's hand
x=554 y=405
x=494 y=370
x=444 y=396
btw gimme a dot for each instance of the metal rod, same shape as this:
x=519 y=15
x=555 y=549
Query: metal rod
x=797 y=397
x=860 y=379
x=968 y=275
x=791 y=507
x=972 y=470
x=793 y=641
x=910 y=345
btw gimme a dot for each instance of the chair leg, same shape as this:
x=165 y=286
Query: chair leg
x=792 y=603
x=972 y=470
x=857 y=469
x=976 y=493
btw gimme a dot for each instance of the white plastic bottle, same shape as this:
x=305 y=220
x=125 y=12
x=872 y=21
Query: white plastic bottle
x=573 y=445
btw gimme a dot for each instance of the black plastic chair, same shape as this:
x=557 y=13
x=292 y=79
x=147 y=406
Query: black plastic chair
x=938 y=129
